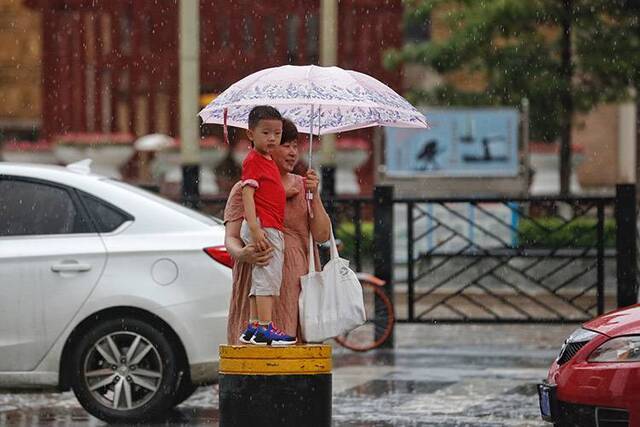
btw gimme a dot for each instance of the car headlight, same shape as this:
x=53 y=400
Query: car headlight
x=581 y=335
x=621 y=349
x=578 y=339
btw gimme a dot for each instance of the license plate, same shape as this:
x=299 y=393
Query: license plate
x=545 y=404
x=546 y=395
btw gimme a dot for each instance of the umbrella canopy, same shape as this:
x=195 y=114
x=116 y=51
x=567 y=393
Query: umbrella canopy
x=330 y=98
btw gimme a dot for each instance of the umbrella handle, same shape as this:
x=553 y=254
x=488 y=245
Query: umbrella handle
x=225 y=130
x=309 y=199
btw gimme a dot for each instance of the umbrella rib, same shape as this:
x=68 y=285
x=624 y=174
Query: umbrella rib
x=309 y=84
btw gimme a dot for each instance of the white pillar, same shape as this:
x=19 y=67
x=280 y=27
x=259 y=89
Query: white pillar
x=328 y=57
x=189 y=35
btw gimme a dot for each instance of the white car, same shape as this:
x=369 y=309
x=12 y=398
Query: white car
x=107 y=289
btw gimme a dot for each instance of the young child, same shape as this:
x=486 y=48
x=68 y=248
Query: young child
x=264 y=199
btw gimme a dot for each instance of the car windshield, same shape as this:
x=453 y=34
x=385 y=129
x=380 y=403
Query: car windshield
x=207 y=219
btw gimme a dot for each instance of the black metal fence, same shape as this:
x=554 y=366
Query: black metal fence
x=487 y=260
x=536 y=259
x=499 y=260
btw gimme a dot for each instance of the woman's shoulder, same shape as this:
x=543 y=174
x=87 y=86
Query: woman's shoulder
x=236 y=187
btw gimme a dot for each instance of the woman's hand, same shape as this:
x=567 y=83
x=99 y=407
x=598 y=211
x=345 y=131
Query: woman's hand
x=251 y=255
x=312 y=182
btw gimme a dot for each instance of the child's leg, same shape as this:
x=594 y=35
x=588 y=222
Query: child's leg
x=253 y=309
x=266 y=280
x=267 y=287
x=250 y=330
x=252 y=326
x=246 y=238
x=264 y=308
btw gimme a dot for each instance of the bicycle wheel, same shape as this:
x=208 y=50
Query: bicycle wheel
x=379 y=322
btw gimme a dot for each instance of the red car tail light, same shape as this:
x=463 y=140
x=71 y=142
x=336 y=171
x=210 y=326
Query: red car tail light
x=220 y=254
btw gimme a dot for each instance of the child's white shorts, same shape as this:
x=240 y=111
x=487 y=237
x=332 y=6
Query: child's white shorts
x=266 y=280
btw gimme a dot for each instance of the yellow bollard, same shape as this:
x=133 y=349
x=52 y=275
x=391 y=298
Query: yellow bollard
x=275 y=386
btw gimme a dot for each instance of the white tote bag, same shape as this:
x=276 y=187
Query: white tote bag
x=330 y=301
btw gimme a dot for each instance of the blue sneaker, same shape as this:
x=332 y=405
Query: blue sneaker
x=271 y=336
x=248 y=333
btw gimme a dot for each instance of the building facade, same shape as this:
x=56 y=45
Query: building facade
x=20 y=71
x=112 y=65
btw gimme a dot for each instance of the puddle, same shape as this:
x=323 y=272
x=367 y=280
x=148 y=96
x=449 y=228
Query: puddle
x=380 y=388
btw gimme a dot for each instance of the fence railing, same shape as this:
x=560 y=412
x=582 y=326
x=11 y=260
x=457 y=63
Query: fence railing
x=505 y=260
x=533 y=259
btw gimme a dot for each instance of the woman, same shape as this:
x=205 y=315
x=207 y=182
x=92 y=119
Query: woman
x=296 y=242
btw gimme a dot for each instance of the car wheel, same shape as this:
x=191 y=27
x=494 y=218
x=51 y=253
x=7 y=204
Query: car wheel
x=125 y=370
x=184 y=392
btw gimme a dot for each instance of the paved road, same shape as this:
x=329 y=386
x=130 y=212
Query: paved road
x=438 y=375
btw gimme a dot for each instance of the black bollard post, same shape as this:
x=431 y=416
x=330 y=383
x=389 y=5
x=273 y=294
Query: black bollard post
x=328 y=193
x=626 y=235
x=275 y=386
x=383 y=246
x=191 y=185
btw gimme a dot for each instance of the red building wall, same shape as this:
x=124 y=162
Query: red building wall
x=112 y=65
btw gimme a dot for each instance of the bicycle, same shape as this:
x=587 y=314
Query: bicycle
x=380 y=318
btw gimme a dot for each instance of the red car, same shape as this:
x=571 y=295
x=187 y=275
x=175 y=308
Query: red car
x=595 y=381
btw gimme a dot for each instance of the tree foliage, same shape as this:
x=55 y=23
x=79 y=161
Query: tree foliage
x=516 y=45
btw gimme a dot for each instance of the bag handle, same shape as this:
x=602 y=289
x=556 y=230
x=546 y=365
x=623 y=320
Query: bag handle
x=312 y=264
x=333 y=250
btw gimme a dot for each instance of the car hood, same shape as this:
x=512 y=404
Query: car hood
x=620 y=322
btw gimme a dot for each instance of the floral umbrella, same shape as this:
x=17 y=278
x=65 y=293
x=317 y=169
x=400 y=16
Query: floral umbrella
x=319 y=100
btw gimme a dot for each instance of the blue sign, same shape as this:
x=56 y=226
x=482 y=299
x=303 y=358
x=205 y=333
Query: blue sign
x=461 y=142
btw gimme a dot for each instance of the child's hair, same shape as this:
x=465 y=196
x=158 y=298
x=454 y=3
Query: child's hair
x=263 y=112
x=289 y=131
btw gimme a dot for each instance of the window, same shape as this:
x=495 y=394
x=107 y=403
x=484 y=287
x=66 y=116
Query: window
x=247 y=33
x=270 y=35
x=312 y=27
x=222 y=27
x=106 y=217
x=30 y=208
x=125 y=29
x=293 y=27
x=147 y=31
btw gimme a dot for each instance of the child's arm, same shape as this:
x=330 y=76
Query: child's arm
x=257 y=234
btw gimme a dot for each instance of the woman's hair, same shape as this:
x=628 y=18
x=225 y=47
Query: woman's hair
x=289 y=131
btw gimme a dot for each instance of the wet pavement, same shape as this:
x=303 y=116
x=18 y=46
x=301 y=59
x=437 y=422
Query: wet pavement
x=438 y=375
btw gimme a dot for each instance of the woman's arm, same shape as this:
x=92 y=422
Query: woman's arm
x=237 y=249
x=320 y=223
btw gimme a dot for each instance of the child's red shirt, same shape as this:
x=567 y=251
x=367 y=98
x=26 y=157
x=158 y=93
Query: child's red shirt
x=270 y=199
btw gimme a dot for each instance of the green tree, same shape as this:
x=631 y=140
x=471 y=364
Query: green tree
x=548 y=51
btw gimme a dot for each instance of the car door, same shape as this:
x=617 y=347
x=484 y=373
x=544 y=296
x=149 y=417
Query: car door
x=51 y=258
